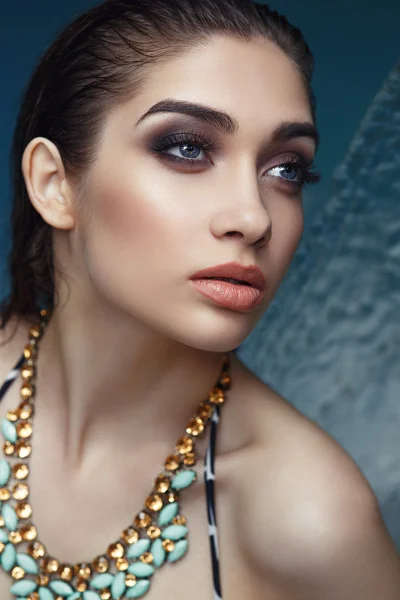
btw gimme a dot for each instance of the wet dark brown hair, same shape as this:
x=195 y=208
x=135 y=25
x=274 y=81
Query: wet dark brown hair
x=97 y=62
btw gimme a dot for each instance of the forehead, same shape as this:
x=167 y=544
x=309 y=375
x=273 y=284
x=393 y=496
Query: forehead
x=252 y=80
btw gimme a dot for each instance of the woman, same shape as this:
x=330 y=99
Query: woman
x=164 y=150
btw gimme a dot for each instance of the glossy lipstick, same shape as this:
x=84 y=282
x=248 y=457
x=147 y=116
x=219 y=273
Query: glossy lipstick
x=231 y=285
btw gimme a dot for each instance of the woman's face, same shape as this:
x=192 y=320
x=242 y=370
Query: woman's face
x=177 y=188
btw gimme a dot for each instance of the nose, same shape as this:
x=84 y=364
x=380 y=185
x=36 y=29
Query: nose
x=243 y=216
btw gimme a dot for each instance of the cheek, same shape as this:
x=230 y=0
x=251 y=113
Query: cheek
x=287 y=228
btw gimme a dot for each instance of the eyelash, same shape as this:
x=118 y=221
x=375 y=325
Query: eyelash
x=309 y=175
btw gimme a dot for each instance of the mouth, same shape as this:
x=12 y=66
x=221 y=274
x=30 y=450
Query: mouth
x=232 y=286
x=234 y=273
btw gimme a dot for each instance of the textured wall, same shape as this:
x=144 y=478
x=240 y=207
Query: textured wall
x=331 y=341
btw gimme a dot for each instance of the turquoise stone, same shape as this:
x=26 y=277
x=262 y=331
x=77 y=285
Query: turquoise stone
x=45 y=594
x=5 y=472
x=10 y=517
x=141 y=569
x=8 y=557
x=174 y=532
x=76 y=596
x=8 y=430
x=179 y=551
x=89 y=595
x=138 y=590
x=102 y=581
x=138 y=548
x=183 y=480
x=29 y=565
x=23 y=587
x=118 y=586
x=61 y=588
x=168 y=513
x=3 y=536
x=158 y=553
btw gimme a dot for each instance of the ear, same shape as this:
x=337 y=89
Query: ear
x=46 y=183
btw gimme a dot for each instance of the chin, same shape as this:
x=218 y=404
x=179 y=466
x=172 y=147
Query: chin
x=218 y=330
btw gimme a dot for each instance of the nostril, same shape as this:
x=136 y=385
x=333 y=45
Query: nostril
x=234 y=234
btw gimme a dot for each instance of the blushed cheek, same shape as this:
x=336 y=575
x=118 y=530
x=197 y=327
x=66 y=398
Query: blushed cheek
x=287 y=229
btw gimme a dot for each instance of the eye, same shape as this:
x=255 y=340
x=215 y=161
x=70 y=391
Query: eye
x=187 y=150
x=296 y=172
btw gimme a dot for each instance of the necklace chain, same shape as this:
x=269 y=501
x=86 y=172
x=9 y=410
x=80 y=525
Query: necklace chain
x=157 y=535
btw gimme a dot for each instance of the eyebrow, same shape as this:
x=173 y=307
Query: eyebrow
x=287 y=130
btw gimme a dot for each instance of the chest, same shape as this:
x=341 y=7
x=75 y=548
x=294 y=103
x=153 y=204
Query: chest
x=78 y=521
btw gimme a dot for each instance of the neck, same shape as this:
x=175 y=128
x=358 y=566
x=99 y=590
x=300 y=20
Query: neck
x=111 y=379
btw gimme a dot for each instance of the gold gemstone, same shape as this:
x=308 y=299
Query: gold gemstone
x=12 y=416
x=20 y=471
x=130 y=535
x=195 y=426
x=130 y=580
x=25 y=410
x=1 y=522
x=34 y=596
x=122 y=564
x=147 y=558
x=81 y=585
x=28 y=351
x=173 y=497
x=34 y=331
x=162 y=484
x=205 y=411
x=23 y=449
x=100 y=564
x=36 y=550
x=153 y=532
x=190 y=459
x=42 y=579
x=20 y=491
x=179 y=520
x=4 y=494
x=24 y=430
x=154 y=503
x=66 y=573
x=23 y=510
x=29 y=533
x=9 y=448
x=116 y=551
x=2 y=546
x=172 y=462
x=15 y=537
x=184 y=445
x=83 y=571
x=105 y=595
x=168 y=545
x=17 y=573
x=52 y=565
x=142 y=520
x=26 y=391
x=27 y=372
x=216 y=396
x=44 y=312
x=225 y=382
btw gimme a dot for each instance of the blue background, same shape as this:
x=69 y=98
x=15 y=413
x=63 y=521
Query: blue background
x=330 y=342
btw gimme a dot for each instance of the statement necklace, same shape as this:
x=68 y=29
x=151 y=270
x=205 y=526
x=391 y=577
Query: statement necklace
x=157 y=535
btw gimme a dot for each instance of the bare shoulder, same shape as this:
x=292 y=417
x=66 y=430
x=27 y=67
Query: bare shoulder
x=13 y=338
x=297 y=451
x=303 y=505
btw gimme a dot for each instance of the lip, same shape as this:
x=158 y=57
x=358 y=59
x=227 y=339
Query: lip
x=251 y=275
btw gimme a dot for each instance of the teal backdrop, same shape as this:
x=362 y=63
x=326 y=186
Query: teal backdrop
x=330 y=341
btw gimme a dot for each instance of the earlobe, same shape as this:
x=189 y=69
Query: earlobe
x=46 y=184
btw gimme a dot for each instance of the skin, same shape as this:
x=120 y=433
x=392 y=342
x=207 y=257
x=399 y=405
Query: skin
x=132 y=348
